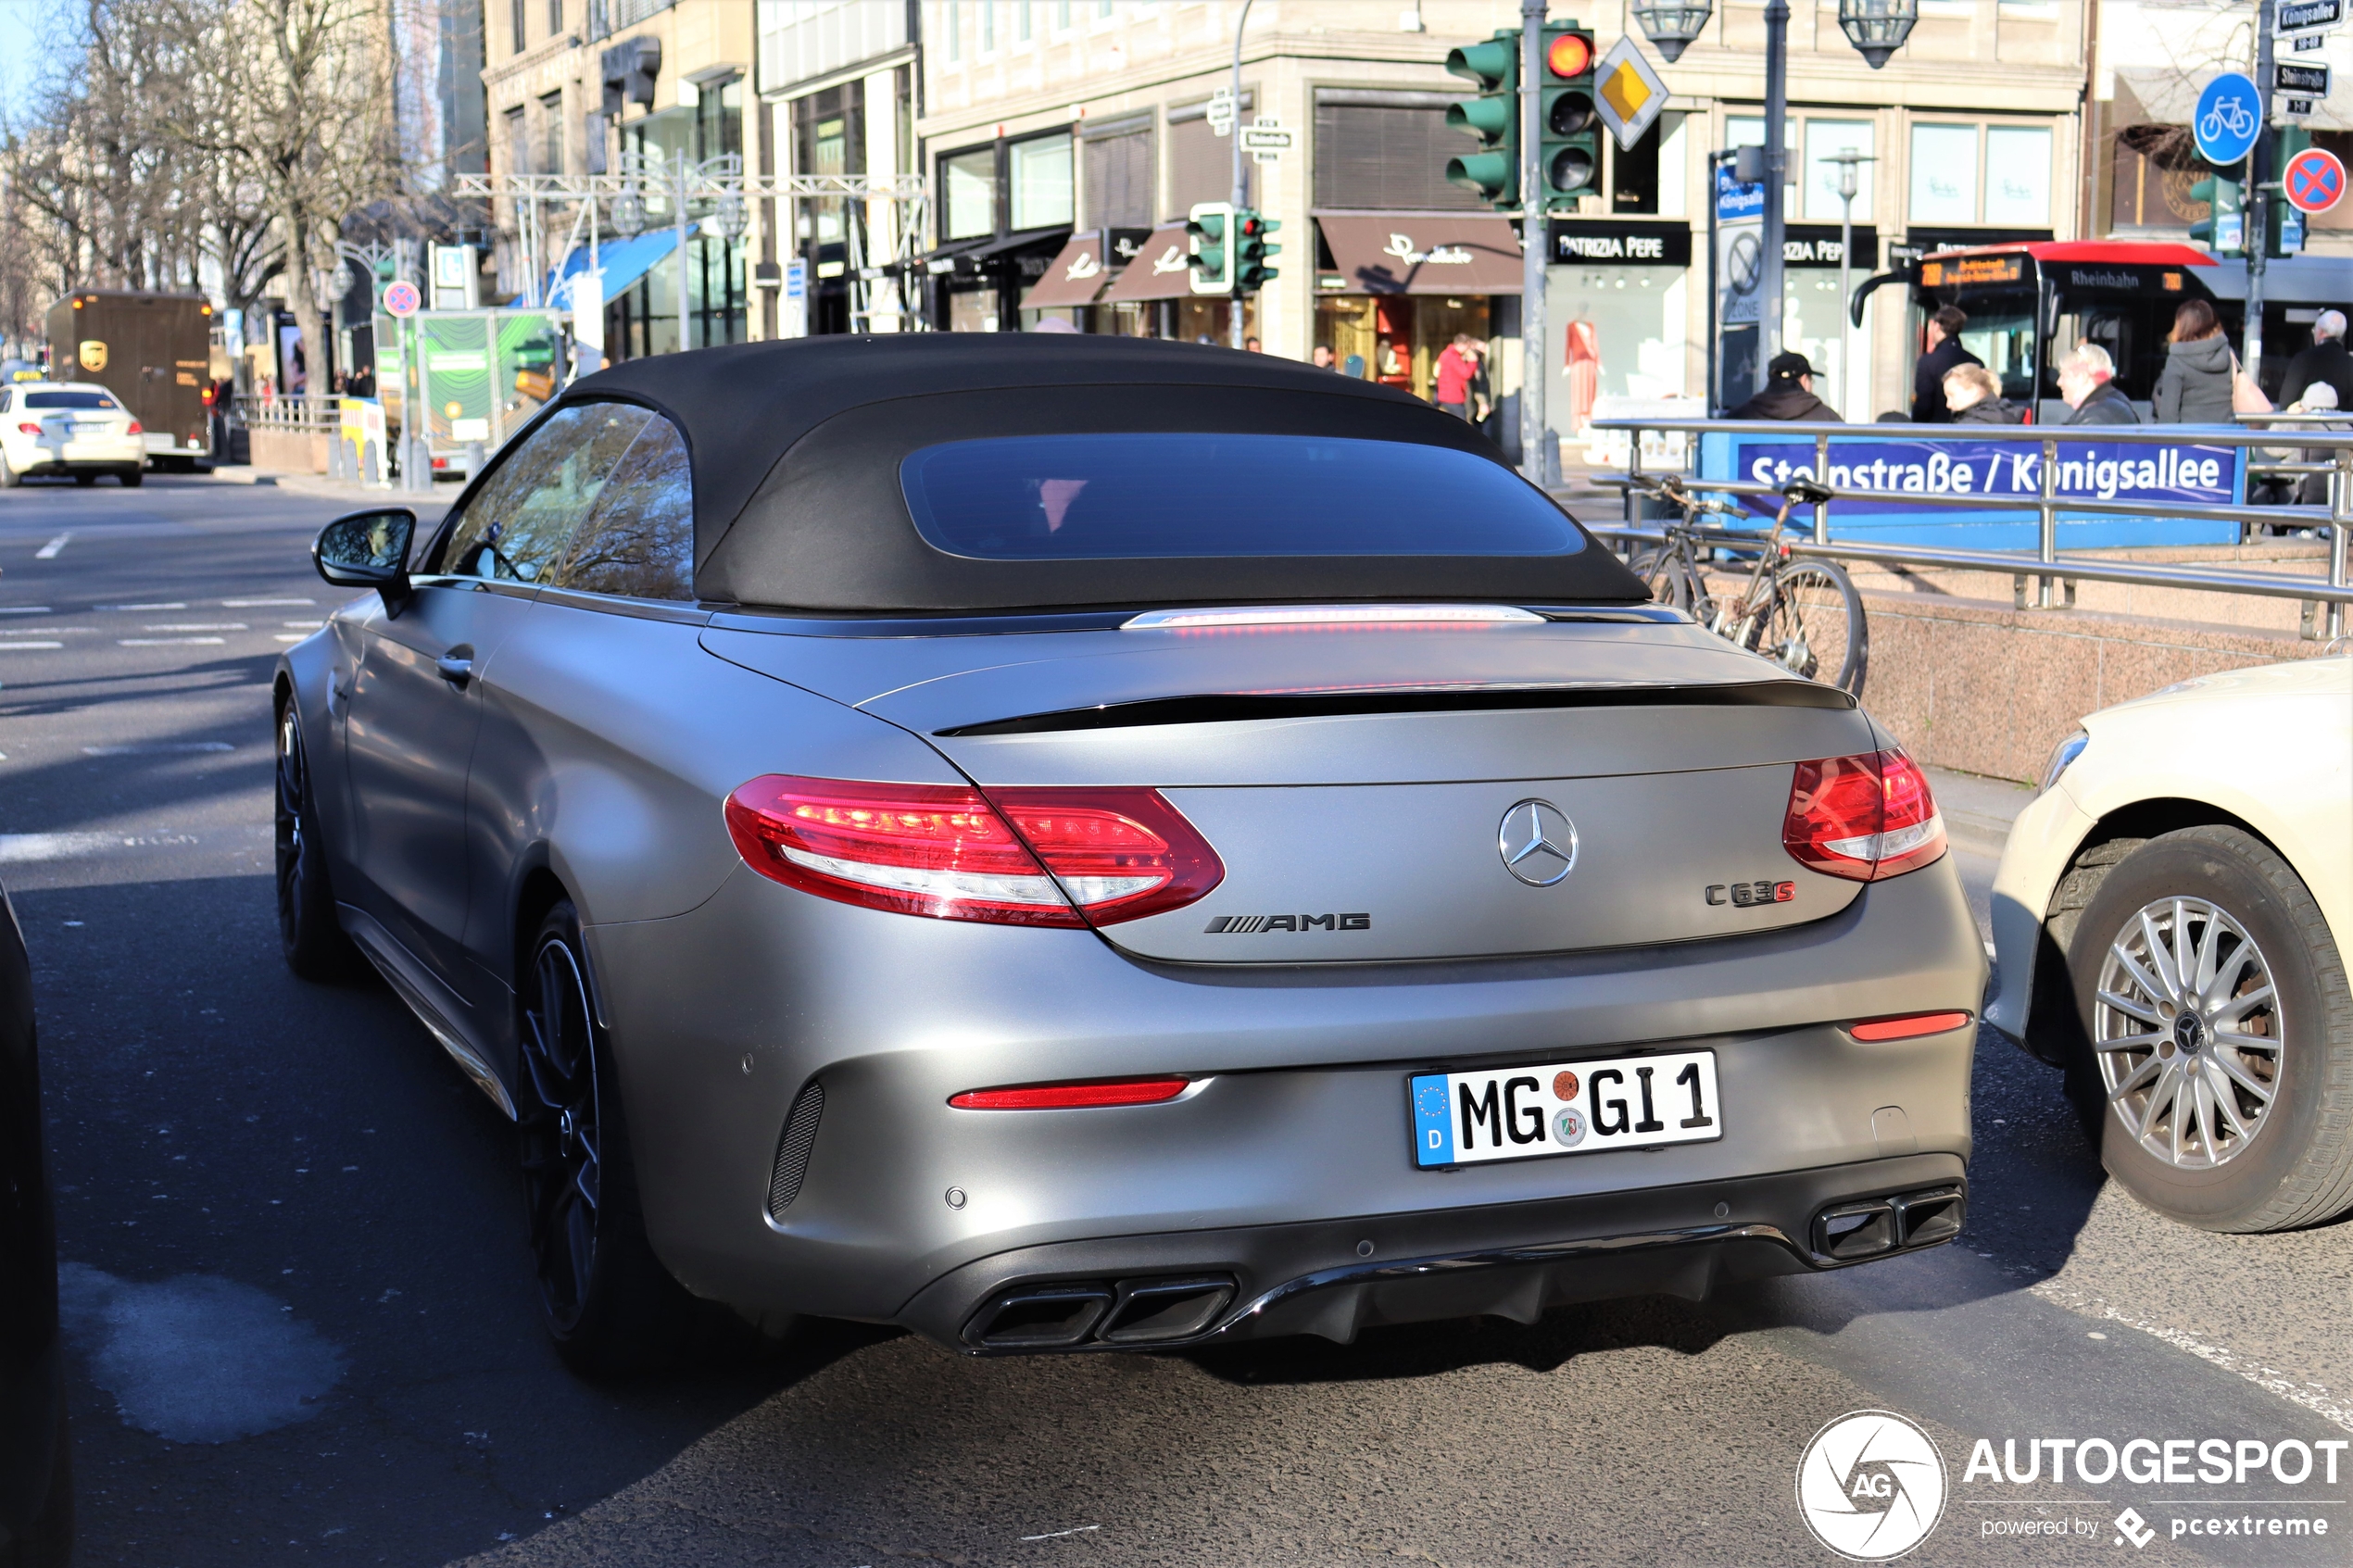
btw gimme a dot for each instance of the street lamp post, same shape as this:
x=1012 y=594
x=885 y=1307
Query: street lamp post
x=1876 y=27
x=1849 y=187
x=1241 y=191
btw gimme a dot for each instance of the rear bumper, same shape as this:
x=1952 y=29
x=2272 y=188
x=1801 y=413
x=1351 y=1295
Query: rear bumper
x=721 y=1018
x=1334 y=1278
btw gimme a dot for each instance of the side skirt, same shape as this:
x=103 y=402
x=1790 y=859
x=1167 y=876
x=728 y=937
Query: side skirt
x=436 y=1006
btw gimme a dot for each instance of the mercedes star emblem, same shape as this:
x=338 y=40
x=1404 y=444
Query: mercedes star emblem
x=1538 y=843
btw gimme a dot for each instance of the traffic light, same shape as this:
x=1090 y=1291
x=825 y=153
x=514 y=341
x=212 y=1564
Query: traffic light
x=1209 y=226
x=1492 y=117
x=1252 y=248
x=1571 y=147
x=2223 y=228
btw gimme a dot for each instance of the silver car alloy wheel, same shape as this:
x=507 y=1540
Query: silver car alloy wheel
x=2187 y=1033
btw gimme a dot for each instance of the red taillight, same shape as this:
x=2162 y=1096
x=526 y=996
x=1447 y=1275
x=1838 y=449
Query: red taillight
x=1865 y=818
x=29 y=429
x=1910 y=1026
x=135 y=429
x=1074 y=1096
x=952 y=853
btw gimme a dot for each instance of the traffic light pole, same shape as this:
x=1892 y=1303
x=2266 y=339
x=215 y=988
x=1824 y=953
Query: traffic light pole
x=1535 y=241
x=2256 y=220
x=1241 y=195
x=1770 y=281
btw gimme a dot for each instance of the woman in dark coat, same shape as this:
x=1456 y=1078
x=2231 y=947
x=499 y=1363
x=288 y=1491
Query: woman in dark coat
x=2195 y=386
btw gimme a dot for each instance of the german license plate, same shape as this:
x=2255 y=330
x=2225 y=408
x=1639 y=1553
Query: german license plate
x=1567 y=1108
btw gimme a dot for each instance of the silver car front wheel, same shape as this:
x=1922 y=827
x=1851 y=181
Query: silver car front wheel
x=2215 y=1066
x=2187 y=1033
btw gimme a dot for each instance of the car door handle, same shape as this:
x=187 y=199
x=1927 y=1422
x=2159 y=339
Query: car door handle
x=456 y=668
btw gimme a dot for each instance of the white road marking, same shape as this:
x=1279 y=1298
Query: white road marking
x=290 y=636
x=166 y=642
x=11 y=643
x=1057 y=1534
x=259 y=603
x=197 y=626
x=16 y=848
x=42 y=630
x=156 y=748
x=24 y=610
x=305 y=625
x=174 y=605
x=49 y=551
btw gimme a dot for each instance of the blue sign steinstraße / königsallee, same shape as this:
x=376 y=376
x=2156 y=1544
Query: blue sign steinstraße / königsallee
x=2230 y=114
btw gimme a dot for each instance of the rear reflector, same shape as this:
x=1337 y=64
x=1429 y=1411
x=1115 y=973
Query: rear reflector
x=1072 y=1096
x=1029 y=856
x=1909 y=1026
x=1865 y=818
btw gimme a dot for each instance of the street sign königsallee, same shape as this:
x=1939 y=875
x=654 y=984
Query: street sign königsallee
x=2229 y=114
x=2302 y=16
x=2306 y=80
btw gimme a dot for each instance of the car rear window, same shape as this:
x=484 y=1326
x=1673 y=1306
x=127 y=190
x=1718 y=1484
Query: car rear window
x=1111 y=496
x=68 y=400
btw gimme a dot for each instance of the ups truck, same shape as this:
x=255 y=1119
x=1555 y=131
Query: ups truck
x=154 y=351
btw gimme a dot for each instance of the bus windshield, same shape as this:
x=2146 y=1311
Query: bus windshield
x=2001 y=333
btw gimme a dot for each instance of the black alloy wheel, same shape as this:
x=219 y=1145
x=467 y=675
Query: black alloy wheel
x=606 y=1299
x=309 y=933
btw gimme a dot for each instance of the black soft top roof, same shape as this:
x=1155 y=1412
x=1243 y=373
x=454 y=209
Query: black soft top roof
x=796 y=448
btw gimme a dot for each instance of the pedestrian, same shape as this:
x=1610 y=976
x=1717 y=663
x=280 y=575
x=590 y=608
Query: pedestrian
x=1251 y=345
x=2195 y=386
x=1975 y=397
x=1944 y=353
x=2326 y=362
x=1457 y=367
x=2087 y=379
x=1788 y=395
x=1324 y=360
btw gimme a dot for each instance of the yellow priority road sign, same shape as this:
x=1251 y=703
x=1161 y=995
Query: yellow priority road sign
x=1627 y=93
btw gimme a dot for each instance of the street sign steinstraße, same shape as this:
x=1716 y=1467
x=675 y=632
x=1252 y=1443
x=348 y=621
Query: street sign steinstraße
x=2306 y=81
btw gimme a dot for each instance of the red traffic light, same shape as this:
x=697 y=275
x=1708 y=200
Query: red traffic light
x=1569 y=55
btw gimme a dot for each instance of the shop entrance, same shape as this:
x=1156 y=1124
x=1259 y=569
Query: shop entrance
x=1396 y=339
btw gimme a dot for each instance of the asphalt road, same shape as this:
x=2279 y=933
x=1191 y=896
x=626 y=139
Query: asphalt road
x=297 y=1288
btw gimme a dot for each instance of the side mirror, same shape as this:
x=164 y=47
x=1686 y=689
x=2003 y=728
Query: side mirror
x=368 y=550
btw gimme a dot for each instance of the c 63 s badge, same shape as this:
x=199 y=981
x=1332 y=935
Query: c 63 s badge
x=1247 y=926
x=1748 y=894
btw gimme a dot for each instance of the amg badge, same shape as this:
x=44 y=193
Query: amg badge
x=1748 y=894
x=1244 y=925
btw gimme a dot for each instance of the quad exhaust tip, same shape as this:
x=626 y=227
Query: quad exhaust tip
x=1849 y=1233
x=1124 y=1313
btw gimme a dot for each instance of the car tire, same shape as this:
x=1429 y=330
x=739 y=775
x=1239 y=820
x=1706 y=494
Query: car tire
x=608 y=1303
x=83 y=476
x=2278 y=1152
x=309 y=935
x=132 y=478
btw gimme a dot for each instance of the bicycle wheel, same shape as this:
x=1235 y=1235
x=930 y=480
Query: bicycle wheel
x=1813 y=626
x=1670 y=582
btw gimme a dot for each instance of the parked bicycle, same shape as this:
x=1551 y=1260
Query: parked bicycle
x=1804 y=615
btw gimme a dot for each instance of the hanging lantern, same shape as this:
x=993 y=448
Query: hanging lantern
x=629 y=213
x=731 y=215
x=1877 y=27
x=1670 y=25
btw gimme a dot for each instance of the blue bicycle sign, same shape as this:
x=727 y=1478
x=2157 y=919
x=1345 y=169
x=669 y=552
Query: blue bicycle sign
x=2230 y=112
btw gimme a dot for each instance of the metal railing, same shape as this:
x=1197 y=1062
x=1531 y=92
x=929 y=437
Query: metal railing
x=2045 y=567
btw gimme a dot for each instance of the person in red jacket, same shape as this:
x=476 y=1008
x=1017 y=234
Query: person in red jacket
x=1458 y=369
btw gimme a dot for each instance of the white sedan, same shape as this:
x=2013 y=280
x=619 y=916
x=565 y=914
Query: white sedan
x=2171 y=922
x=68 y=428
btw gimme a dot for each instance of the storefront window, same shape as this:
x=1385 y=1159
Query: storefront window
x=1041 y=182
x=1396 y=339
x=968 y=182
x=1825 y=139
x=1944 y=174
x=2018 y=176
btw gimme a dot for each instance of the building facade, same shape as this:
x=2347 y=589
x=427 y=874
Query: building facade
x=1071 y=135
x=648 y=87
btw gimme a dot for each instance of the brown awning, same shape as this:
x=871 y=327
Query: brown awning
x=1075 y=277
x=1159 y=272
x=1423 y=255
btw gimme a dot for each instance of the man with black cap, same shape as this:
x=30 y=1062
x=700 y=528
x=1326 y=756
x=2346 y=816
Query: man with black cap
x=1788 y=395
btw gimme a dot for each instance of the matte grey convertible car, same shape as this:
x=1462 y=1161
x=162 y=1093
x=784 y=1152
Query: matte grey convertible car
x=1070 y=842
